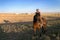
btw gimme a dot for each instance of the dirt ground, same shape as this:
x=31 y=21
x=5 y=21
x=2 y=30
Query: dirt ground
x=24 y=30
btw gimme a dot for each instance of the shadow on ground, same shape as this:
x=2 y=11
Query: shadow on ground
x=24 y=31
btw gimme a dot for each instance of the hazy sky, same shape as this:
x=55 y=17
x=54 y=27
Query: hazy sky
x=29 y=5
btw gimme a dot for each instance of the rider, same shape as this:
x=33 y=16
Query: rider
x=38 y=13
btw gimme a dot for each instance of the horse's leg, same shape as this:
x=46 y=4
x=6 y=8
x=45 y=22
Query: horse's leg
x=34 y=30
x=44 y=28
x=36 y=27
x=36 y=33
x=44 y=25
x=39 y=33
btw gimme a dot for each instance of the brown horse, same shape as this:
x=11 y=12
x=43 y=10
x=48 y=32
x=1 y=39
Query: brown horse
x=39 y=23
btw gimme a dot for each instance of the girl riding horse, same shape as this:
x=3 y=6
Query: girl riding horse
x=38 y=22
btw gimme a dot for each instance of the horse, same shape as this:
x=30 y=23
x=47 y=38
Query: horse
x=38 y=24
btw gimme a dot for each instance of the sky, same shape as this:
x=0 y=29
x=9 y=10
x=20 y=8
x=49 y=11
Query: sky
x=26 y=6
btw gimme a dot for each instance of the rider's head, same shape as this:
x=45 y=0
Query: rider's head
x=37 y=10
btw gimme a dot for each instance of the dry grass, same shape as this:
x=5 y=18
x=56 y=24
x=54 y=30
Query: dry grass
x=22 y=17
x=21 y=28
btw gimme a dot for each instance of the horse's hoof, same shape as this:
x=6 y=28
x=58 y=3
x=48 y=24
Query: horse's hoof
x=40 y=35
